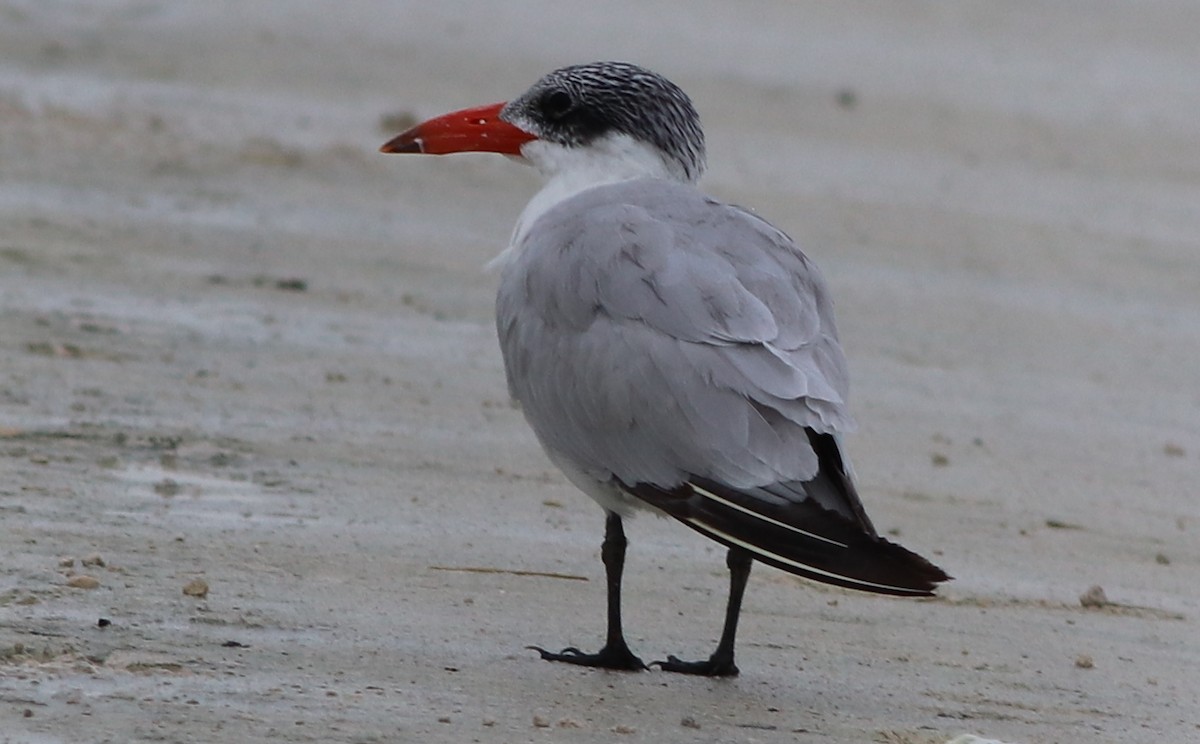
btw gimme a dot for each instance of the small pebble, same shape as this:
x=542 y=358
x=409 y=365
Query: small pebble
x=623 y=730
x=83 y=582
x=1083 y=661
x=95 y=559
x=1094 y=597
x=1162 y=559
x=689 y=722
x=66 y=562
x=291 y=285
x=540 y=722
x=196 y=588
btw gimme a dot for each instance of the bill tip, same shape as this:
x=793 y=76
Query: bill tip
x=402 y=144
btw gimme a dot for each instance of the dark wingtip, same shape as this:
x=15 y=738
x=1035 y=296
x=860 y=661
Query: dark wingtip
x=802 y=538
x=924 y=574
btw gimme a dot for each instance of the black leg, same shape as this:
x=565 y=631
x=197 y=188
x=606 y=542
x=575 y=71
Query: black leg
x=720 y=664
x=616 y=653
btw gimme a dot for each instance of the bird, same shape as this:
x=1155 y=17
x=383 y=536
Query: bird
x=671 y=352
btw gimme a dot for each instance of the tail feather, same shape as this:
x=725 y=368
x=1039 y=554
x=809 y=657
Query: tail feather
x=800 y=537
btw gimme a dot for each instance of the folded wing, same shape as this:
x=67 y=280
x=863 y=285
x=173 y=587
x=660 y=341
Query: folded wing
x=685 y=351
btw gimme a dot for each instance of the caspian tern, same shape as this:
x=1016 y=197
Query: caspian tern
x=670 y=351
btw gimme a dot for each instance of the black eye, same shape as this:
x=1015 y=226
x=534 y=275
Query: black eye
x=556 y=104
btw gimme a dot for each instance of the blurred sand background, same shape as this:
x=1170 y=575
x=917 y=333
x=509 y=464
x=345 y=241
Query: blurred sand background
x=238 y=345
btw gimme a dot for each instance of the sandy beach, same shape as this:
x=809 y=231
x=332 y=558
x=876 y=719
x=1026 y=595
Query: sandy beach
x=262 y=480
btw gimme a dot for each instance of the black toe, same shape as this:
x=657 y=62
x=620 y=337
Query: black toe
x=712 y=667
x=620 y=658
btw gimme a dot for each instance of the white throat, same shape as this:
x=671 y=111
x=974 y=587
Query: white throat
x=571 y=170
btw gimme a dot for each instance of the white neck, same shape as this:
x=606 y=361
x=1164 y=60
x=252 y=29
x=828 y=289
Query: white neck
x=571 y=170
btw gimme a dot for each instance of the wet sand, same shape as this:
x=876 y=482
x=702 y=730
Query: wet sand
x=238 y=345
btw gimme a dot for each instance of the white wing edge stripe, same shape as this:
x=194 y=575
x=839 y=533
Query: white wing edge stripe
x=763 y=517
x=754 y=549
